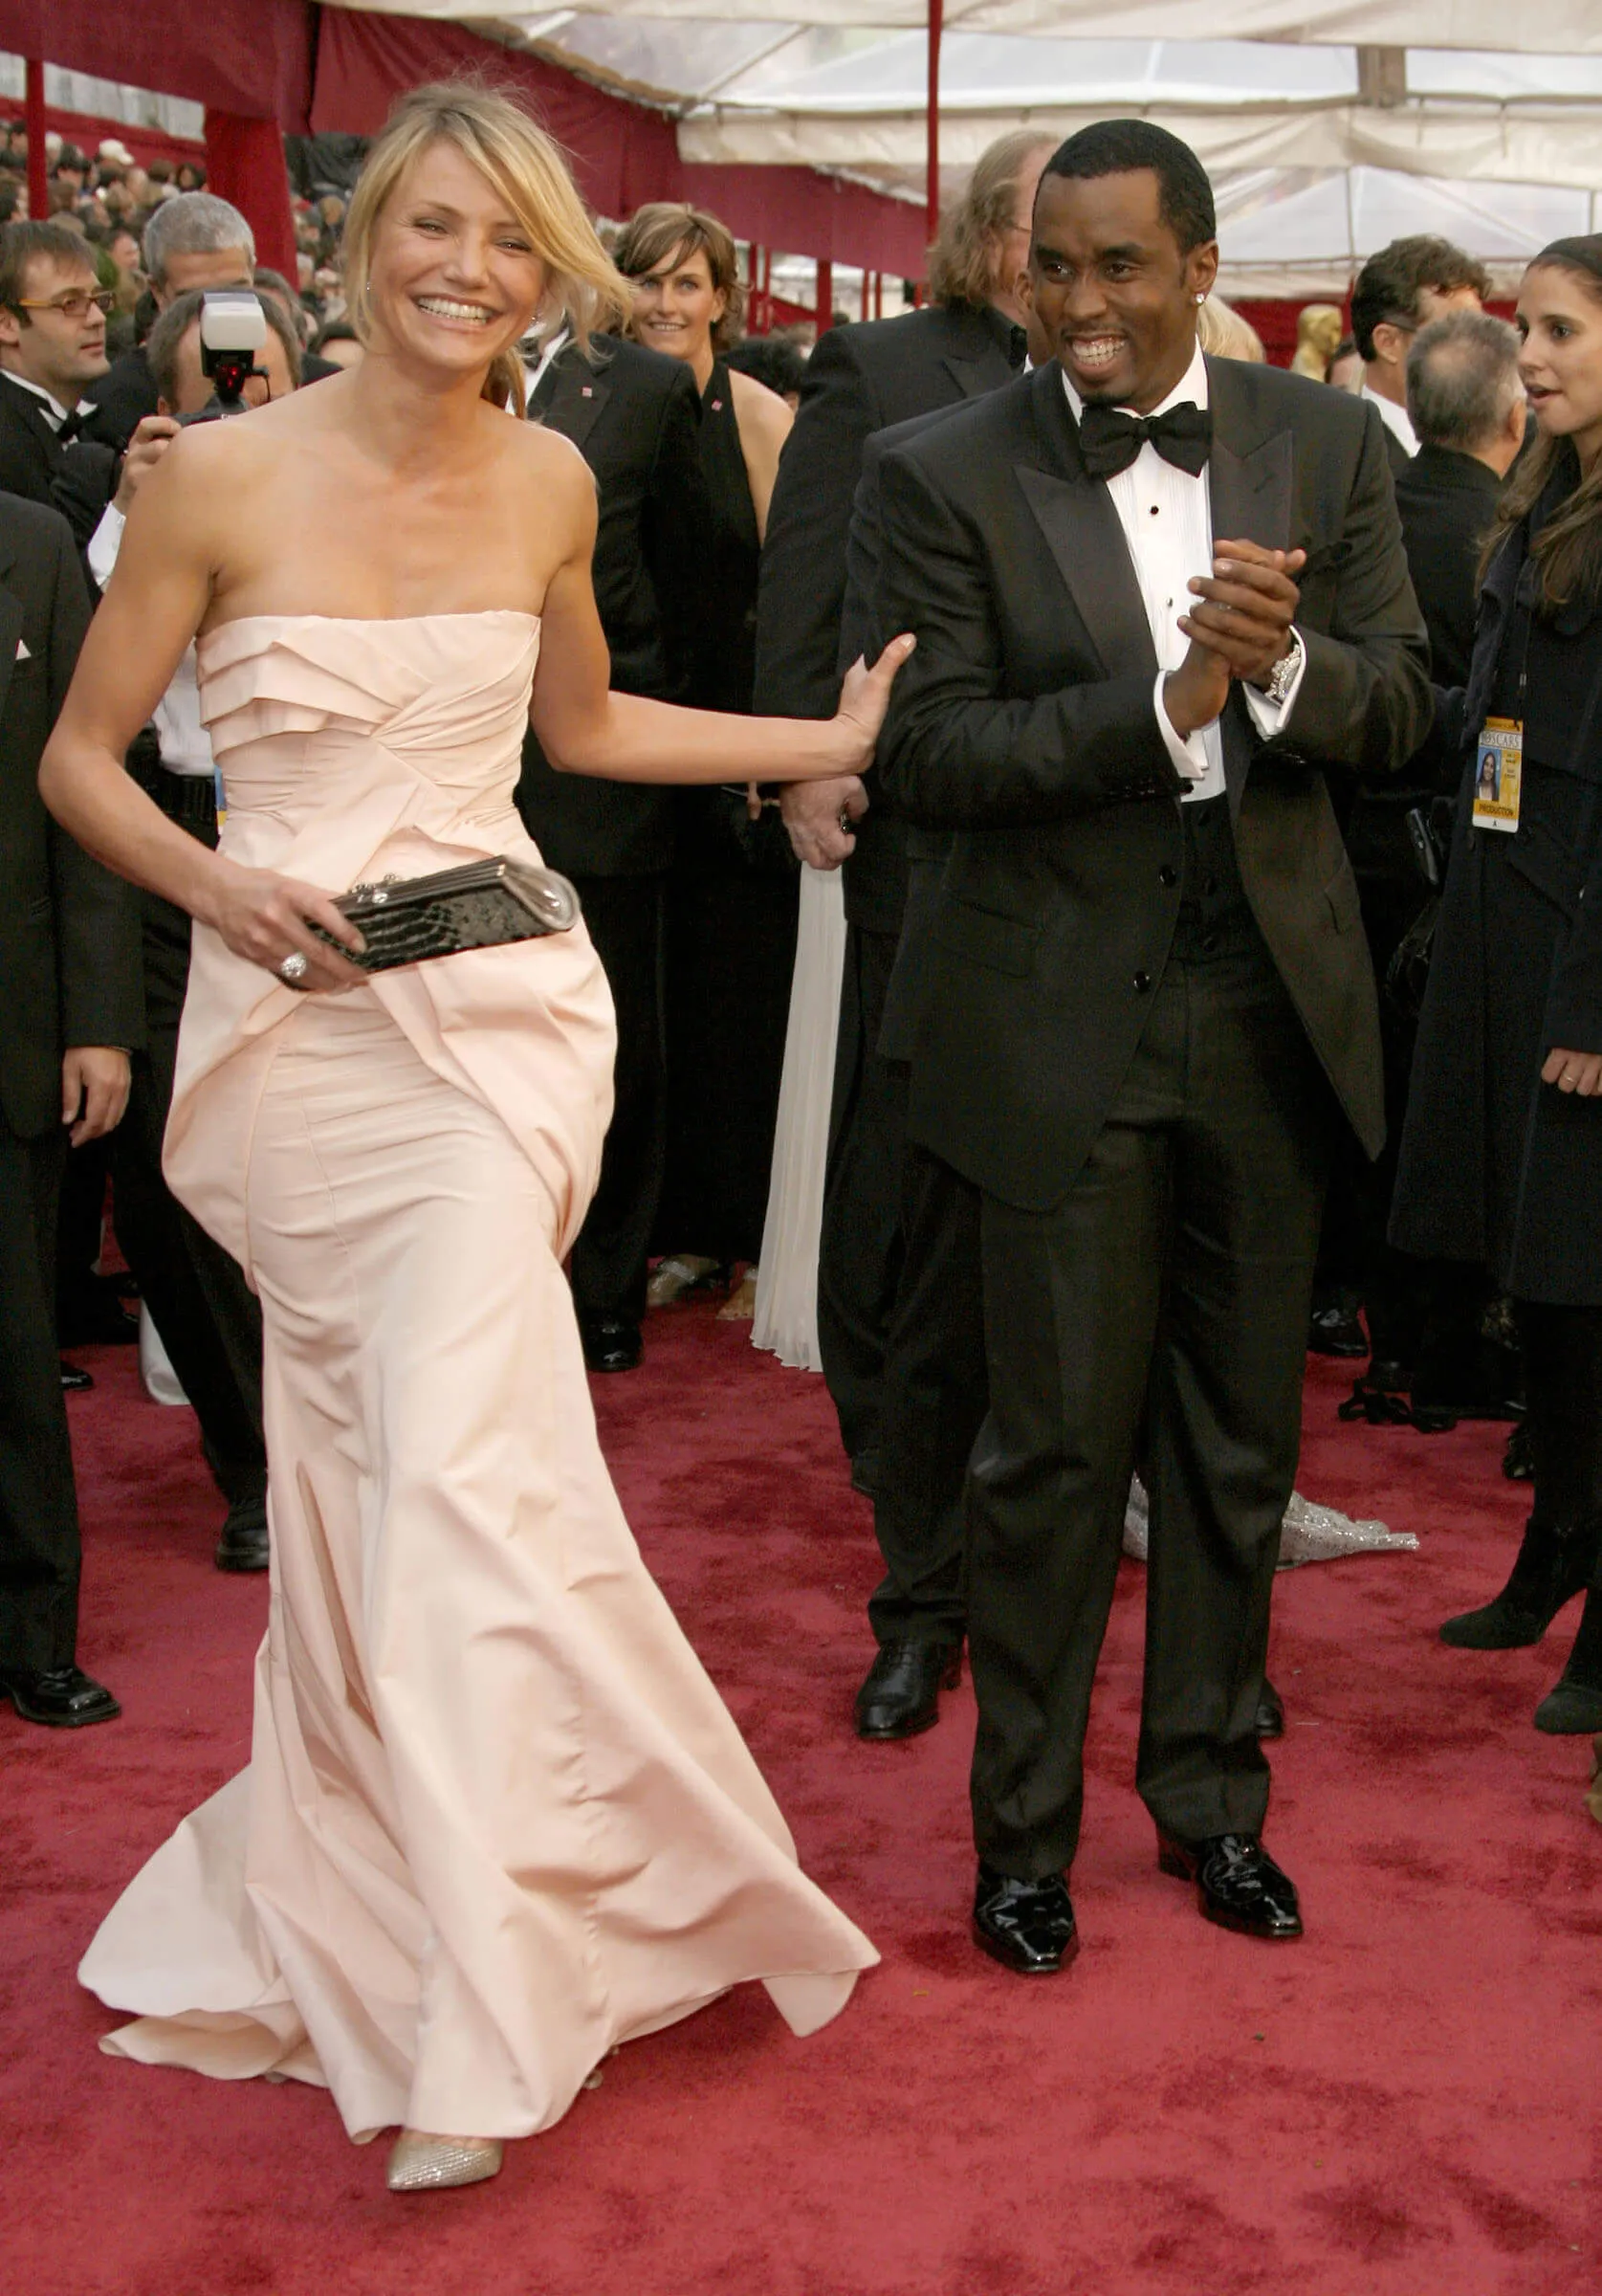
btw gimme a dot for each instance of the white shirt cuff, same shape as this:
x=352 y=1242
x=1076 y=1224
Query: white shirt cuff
x=1272 y=717
x=105 y=543
x=1188 y=757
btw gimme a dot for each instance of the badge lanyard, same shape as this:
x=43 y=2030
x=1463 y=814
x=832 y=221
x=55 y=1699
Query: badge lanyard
x=1499 y=752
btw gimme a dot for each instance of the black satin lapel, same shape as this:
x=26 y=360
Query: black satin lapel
x=973 y=377
x=578 y=399
x=1084 y=535
x=1249 y=475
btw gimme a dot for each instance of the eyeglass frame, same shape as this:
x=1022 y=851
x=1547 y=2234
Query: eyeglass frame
x=101 y=297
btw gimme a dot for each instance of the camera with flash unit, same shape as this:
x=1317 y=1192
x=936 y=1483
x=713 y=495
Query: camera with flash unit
x=232 y=329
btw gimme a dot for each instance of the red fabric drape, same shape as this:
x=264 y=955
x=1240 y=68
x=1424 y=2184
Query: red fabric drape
x=803 y=213
x=250 y=56
x=245 y=164
x=622 y=153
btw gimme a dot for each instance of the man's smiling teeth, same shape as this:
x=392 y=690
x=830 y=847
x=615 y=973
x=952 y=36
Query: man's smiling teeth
x=442 y=308
x=1097 y=350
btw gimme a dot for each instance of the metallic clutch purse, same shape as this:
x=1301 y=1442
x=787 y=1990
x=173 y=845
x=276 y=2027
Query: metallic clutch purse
x=481 y=905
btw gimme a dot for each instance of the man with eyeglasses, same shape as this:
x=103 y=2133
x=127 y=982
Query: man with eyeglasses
x=1397 y=292
x=53 y=334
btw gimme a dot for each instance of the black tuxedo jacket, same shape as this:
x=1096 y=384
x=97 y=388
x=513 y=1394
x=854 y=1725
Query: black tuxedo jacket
x=123 y=397
x=1024 y=722
x=635 y=417
x=859 y=380
x=77 y=480
x=69 y=930
x=1446 y=502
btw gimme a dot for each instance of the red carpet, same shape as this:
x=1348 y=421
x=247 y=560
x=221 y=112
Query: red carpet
x=1406 y=2105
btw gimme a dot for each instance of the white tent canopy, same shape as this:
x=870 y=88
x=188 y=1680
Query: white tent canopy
x=1311 y=118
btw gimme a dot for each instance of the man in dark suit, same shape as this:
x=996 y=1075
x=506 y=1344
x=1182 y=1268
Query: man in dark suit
x=1155 y=596
x=1397 y=292
x=635 y=417
x=52 y=328
x=860 y=379
x=71 y=1014
x=1466 y=405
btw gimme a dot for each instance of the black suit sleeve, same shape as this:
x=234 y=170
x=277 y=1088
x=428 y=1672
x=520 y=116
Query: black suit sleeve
x=955 y=754
x=803 y=558
x=1364 y=700
x=82 y=487
x=99 y=977
x=676 y=538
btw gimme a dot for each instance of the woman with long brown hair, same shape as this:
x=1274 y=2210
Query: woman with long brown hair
x=1502 y=1157
x=734 y=896
x=496 y=1819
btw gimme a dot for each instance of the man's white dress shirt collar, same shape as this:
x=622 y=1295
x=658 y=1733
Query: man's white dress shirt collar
x=1394 y=416
x=55 y=414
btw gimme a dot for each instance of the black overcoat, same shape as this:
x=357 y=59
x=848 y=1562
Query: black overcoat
x=1496 y=1166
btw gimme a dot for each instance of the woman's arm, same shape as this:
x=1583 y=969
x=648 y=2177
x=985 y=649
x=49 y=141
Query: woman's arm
x=584 y=728
x=764 y=422
x=153 y=606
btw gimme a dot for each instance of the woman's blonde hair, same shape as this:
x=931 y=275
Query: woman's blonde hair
x=526 y=167
x=666 y=229
x=1221 y=331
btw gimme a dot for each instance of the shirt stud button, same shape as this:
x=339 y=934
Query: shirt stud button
x=1142 y=983
x=1168 y=875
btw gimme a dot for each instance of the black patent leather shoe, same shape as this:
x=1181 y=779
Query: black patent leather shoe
x=1028 y=1927
x=75 y=1379
x=1237 y=1882
x=61 y=1697
x=1271 y=1713
x=1336 y=1331
x=242 y=1545
x=611 y=1345
x=901 y=1695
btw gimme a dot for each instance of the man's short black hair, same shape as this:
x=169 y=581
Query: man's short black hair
x=1389 y=284
x=1120 y=147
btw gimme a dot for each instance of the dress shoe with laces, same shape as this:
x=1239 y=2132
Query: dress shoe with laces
x=61 y=1697
x=242 y=1544
x=1271 y=1713
x=1238 y=1884
x=901 y=1695
x=611 y=1344
x=1028 y=1927
x=1336 y=1331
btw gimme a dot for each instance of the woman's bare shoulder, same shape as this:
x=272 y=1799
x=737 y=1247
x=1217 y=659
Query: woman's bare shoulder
x=763 y=410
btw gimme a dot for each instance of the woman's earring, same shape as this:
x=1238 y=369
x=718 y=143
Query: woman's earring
x=1201 y=299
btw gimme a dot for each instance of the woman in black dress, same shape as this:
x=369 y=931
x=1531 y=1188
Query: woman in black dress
x=731 y=905
x=1502 y=1157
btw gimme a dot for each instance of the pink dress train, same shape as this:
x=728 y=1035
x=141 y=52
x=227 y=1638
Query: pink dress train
x=497 y=1818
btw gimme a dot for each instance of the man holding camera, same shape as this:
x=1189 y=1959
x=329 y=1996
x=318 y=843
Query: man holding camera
x=192 y=243
x=208 y=1321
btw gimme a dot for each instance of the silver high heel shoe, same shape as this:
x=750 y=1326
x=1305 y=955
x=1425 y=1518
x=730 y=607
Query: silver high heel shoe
x=422 y=2163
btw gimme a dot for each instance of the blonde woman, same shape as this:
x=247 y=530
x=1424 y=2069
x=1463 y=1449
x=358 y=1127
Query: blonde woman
x=496 y=1819
x=732 y=899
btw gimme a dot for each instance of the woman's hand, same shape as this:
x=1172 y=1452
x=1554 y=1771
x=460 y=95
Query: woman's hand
x=266 y=917
x=864 y=699
x=1575 y=1072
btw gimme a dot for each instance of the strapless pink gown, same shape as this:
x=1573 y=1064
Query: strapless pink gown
x=497 y=1818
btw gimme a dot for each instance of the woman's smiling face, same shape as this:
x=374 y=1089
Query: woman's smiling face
x=454 y=277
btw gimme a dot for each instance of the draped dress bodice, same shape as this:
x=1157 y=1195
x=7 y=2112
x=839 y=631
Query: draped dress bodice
x=355 y=749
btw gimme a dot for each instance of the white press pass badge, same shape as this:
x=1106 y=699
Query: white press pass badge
x=1499 y=762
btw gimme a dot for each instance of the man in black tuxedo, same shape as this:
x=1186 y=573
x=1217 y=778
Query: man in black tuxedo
x=635 y=417
x=1155 y=596
x=70 y=1016
x=888 y=1217
x=53 y=329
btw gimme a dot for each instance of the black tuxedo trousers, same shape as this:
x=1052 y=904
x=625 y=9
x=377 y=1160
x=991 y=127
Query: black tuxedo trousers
x=1158 y=1312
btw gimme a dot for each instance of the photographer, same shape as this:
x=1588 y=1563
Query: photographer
x=191 y=242
x=210 y=1324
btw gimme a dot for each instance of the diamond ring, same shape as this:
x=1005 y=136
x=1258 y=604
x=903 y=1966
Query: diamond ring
x=293 y=968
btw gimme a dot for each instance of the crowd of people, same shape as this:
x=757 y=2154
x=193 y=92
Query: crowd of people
x=1211 y=973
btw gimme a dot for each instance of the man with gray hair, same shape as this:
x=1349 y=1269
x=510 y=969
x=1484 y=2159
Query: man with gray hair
x=1467 y=407
x=192 y=241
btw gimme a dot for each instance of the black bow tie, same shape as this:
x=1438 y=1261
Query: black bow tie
x=67 y=432
x=1110 y=439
